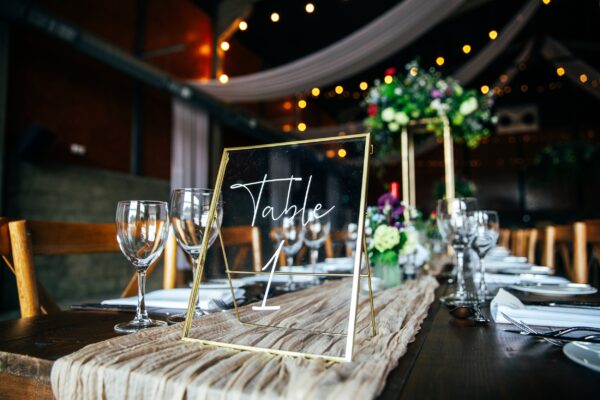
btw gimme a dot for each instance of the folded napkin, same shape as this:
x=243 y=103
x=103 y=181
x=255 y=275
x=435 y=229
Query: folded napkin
x=280 y=278
x=496 y=265
x=560 y=317
x=178 y=298
x=503 y=279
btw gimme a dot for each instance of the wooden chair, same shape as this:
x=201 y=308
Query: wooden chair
x=562 y=239
x=504 y=239
x=245 y=238
x=43 y=238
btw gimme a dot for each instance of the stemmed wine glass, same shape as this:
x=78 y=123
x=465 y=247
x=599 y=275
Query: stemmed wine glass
x=142 y=228
x=317 y=228
x=456 y=222
x=486 y=237
x=350 y=241
x=291 y=232
x=189 y=215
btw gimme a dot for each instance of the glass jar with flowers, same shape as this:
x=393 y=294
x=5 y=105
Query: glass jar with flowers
x=390 y=239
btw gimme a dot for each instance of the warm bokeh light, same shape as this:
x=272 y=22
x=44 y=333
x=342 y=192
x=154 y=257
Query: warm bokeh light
x=287 y=105
x=301 y=126
x=466 y=48
x=503 y=78
x=524 y=88
x=330 y=153
x=546 y=2
x=339 y=89
x=310 y=8
x=223 y=78
x=413 y=71
x=243 y=25
x=363 y=86
x=224 y=46
x=493 y=34
x=583 y=78
x=302 y=103
x=275 y=17
x=204 y=50
x=286 y=127
x=440 y=61
x=388 y=79
x=560 y=71
x=315 y=91
x=342 y=153
x=485 y=89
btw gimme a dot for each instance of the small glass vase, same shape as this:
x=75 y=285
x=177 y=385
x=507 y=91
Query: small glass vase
x=390 y=274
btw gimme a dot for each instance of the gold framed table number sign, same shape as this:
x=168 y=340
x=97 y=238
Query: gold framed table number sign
x=305 y=202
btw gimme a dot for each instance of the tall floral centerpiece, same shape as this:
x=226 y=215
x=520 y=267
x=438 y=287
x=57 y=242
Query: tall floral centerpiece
x=420 y=95
x=389 y=238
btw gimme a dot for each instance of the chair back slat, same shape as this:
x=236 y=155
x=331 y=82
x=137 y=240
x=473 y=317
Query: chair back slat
x=60 y=238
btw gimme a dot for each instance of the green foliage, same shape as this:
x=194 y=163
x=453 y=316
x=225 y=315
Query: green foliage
x=420 y=94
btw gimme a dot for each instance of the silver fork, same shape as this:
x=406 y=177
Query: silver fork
x=526 y=328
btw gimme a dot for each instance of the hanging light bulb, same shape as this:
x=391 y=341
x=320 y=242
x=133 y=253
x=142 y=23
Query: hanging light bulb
x=223 y=78
x=440 y=61
x=493 y=34
x=243 y=25
x=275 y=17
x=310 y=8
x=224 y=46
x=315 y=91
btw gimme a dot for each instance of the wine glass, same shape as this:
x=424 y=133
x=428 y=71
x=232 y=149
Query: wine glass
x=486 y=237
x=456 y=222
x=291 y=232
x=351 y=239
x=142 y=228
x=317 y=228
x=189 y=215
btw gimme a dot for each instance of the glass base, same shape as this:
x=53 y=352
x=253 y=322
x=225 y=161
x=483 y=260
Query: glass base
x=177 y=318
x=137 y=325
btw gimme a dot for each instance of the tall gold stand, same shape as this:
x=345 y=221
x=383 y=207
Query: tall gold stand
x=407 y=153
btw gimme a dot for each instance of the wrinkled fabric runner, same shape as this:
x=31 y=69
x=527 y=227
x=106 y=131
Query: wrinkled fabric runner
x=156 y=364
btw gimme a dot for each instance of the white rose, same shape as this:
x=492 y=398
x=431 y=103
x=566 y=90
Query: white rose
x=468 y=106
x=401 y=118
x=393 y=126
x=388 y=114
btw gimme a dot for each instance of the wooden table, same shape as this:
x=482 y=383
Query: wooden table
x=449 y=359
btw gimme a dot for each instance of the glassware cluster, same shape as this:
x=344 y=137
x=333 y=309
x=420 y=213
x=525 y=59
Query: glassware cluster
x=463 y=226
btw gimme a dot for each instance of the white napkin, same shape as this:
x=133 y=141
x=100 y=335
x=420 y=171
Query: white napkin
x=566 y=317
x=178 y=298
x=504 y=280
x=279 y=278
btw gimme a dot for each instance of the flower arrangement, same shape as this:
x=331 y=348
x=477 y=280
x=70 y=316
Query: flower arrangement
x=424 y=94
x=385 y=225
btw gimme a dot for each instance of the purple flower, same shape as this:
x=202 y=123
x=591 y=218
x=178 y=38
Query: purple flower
x=398 y=225
x=398 y=212
x=437 y=94
x=388 y=199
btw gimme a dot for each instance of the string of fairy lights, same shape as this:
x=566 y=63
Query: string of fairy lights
x=339 y=90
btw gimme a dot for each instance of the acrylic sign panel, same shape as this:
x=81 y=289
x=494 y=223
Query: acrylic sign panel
x=306 y=200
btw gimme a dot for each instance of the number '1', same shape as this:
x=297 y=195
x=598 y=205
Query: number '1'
x=273 y=262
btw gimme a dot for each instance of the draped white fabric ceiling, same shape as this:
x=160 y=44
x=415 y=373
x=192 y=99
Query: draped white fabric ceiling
x=375 y=42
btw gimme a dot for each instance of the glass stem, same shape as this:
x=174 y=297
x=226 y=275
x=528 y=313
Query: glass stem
x=314 y=256
x=461 y=291
x=482 y=284
x=140 y=313
x=194 y=273
x=290 y=261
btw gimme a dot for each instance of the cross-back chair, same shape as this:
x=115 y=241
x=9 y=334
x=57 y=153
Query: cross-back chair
x=46 y=238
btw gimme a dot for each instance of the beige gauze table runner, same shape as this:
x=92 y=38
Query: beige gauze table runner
x=157 y=364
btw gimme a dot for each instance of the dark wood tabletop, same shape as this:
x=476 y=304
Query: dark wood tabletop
x=449 y=358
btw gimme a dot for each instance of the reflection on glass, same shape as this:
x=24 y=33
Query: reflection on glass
x=291 y=233
x=317 y=229
x=351 y=239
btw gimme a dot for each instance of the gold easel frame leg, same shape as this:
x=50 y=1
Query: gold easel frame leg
x=411 y=169
x=368 y=266
x=448 y=159
x=405 y=170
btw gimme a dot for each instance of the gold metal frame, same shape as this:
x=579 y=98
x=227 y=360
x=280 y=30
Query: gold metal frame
x=407 y=153
x=356 y=275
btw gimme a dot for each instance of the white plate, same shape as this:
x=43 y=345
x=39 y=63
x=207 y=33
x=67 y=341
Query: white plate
x=534 y=270
x=569 y=289
x=586 y=354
